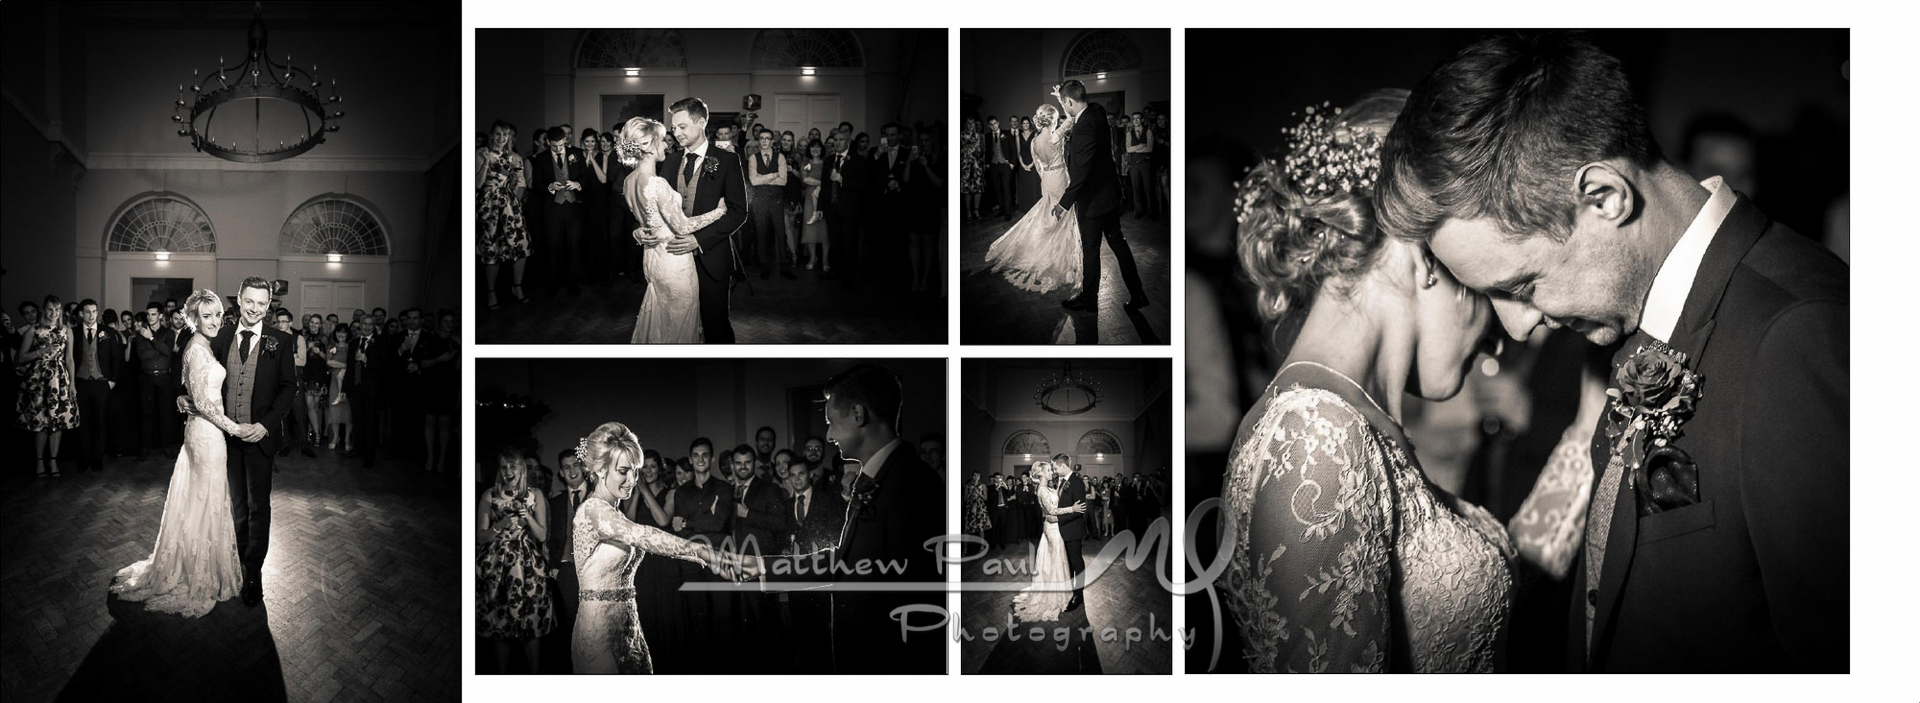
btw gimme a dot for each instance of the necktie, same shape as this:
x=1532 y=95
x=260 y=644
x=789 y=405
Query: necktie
x=246 y=344
x=1600 y=510
x=686 y=174
x=800 y=507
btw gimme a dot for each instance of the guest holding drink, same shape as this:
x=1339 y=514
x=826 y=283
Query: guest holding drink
x=512 y=575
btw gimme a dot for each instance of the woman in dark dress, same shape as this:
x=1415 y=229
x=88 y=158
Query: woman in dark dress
x=123 y=403
x=656 y=583
x=593 y=197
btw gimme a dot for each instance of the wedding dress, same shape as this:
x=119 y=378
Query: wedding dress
x=670 y=313
x=1346 y=559
x=194 y=562
x=1041 y=252
x=1035 y=604
x=607 y=549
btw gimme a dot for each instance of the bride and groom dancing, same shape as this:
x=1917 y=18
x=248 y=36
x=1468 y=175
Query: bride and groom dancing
x=213 y=529
x=1062 y=496
x=1704 y=528
x=688 y=211
x=1045 y=250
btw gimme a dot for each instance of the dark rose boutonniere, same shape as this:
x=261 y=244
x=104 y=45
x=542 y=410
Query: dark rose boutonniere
x=864 y=488
x=1652 y=394
x=712 y=168
x=270 y=344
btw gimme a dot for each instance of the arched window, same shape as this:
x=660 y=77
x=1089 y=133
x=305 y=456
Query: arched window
x=1099 y=50
x=1098 y=442
x=793 y=48
x=1027 y=442
x=160 y=221
x=333 y=224
x=631 y=48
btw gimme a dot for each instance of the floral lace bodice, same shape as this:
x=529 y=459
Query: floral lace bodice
x=596 y=521
x=1345 y=558
x=204 y=376
x=661 y=211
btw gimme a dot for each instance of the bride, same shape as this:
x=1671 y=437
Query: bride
x=607 y=549
x=1345 y=557
x=1050 y=592
x=1042 y=252
x=194 y=563
x=670 y=313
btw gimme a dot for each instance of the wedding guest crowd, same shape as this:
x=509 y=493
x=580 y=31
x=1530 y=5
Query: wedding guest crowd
x=752 y=497
x=1003 y=508
x=100 y=383
x=998 y=176
x=860 y=212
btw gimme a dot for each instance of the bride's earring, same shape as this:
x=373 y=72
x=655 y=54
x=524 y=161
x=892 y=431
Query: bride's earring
x=1433 y=279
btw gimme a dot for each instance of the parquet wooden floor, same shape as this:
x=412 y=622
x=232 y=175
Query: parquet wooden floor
x=993 y=311
x=1122 y=599
x=808 y=309
x=362 y=597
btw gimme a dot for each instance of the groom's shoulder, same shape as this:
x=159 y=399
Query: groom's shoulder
x=1786 y=275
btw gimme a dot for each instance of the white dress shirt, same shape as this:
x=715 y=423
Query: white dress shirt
x=873 y=463
x=1668 y=294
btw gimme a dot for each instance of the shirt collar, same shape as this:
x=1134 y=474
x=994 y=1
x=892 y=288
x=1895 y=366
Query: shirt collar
x=701 y=151
x=1668 y=294
x=872 y=465
x=255 y=327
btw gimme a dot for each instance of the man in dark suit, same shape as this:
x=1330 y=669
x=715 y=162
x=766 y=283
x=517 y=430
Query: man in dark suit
x=815 y=517
x=258 y=394
x=759 y=518
x=706 y=176
x=1725 y=549
x=366 y=386
x=1001 y=157
x=898 y=504
x=892 y=208
x=561 y=504
x=1073 y=525
x=1093 y=196
x=845 y=195
x=153 y=349
x=96 y=366
x=703 y=511
x=558 y=176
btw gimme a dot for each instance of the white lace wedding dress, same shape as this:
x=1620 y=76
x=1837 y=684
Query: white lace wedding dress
x=1041 y=253
x=607 y=549
x=1036 y=603
x=194 y=563
x=670 y=313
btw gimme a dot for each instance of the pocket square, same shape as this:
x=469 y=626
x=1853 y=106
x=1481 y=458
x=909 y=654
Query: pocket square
x=1669 y=480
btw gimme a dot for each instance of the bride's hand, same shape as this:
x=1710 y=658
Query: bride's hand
x=1080 y=507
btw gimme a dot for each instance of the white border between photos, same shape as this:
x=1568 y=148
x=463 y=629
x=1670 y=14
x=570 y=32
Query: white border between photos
x=1882 y=58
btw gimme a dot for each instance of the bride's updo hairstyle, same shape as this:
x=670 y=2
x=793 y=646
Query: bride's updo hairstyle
x=1308 y=218
x=603 y=447
x=204 y=297
x=1052 y=115
x=628 y=148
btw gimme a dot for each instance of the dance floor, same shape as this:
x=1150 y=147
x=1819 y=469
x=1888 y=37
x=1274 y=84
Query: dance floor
x=992 y=311
x=1121 y=599
x=362 y=590
x=807 y=309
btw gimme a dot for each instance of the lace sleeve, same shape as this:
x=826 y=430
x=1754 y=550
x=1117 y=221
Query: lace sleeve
x=205 y=393
x=1553 y=519
x=599 y=521
x=1313 y=584
x=664 y=206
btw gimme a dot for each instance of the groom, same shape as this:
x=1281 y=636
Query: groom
x=1726 y=548
x=705 y=176
x=257 y=394
x=1093 y=185
x=1073 y=526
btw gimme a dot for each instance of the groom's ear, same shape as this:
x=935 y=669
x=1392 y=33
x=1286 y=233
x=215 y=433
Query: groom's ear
x=1606 y=195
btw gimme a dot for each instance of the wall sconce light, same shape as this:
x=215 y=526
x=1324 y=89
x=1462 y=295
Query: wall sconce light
x=1100 y=76
x=806 y=70
x=162 y=255
x=633 y=72
x=333 y=257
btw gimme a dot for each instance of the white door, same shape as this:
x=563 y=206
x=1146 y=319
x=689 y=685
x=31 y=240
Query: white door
x=800 y=112
x=349 y=296
x=332 y=298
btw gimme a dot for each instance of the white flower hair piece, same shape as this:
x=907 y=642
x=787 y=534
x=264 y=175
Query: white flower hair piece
x=629 y=151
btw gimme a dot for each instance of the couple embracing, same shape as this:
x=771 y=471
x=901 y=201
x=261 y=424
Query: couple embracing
x=1056 y=245
x=213 y=531
x=1698 y=504
x=689 y=204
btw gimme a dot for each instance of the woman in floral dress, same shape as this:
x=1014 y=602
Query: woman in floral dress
x=971 y=175
x=47 y=404
x=977 y=521
x=513 y=600
x=503 y=227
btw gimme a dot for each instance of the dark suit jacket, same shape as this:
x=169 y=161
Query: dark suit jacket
x=851 y=192
x=1753 y=577
x=907 y=508
x=1073 y=526
x=1007 y=149
x=821 y=527
x=273 y=379
x=729 y=184
x=560 y=509
x=545 y=173
x=708 y=510
x=107 y=347
x=1093 y=185
x=767 y=518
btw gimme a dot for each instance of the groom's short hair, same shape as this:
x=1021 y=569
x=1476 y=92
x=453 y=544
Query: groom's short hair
x=692 y=106
x=1498 y=131
x=1074 y=90
x=256 y=282
x=872 y=386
